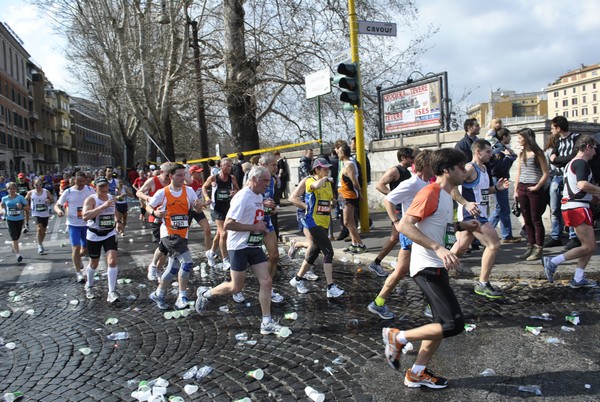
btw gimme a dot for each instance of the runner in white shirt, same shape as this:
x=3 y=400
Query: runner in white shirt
x=73 y=197
x=40 y=200
x=245 y=230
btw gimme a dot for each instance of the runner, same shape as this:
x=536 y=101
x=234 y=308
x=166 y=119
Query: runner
x=172 y=204
x=121 y=193
x=148 y=189
x=102 y=218
x=23 y=187
x=319 y=199
x=199 y=217
x=13 y=207
x=246 y=228
x=40 y=200
x=75 y=196
x=223 y=187
x=429 y=223
x=578 y=193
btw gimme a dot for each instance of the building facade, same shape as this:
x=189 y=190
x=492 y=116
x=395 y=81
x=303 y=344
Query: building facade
x=92 y=136
x=575 y=95
x=507 y=104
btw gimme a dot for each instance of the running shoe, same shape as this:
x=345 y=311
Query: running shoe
x=334 y=291
x=80 y=277
x=269 y=328
x=292 y=250
x=382 y=311
x=153 y=273
x=19 y=258
x=393 y=348
x=210 y=257
x=584 y=283
x=40 y=249
x=426 y=379
x=238 y=297
x=299 y=285
x=276 y=297
x=377 y=269
x=182 y=302
x=201 y=300
x=310 y=276
x=358 y=249
x=226 y=264
x=488 y=291
x=112 y=297
x=549 y=268
x=159 y=300
x=89 y=292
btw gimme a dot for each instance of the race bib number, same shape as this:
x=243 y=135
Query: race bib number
x=255 y=240
x=179 y=221
x=106 y=221
x=41 y=207
x=450 y=236
x=80 y=212
x=22 y=189
x=14 y=211
x=222 y=195
x=323 y=207
x=485 y=197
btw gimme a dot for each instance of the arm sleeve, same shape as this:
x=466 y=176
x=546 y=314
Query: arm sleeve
x=426 y=202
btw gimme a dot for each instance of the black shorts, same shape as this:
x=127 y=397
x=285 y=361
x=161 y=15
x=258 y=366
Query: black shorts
x=241 y=259
x=173 y=244
x=198 y=216
x=41 y=220
x=14 y=229
x=122 y=207
x=95 y=247
x=156 y=231
x=351 y=201
x=217 y=215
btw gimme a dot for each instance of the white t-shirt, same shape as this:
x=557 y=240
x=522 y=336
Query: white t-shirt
x=246 y=208
x=75 y=199
x=405 y=192
x=158 y=200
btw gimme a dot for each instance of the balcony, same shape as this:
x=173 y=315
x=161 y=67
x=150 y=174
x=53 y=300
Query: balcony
x=36 y=135
x=63 y=142
x=38 y=157
x=33 y=115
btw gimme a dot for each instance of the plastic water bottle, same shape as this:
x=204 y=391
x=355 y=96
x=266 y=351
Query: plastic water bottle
x=12 y=396
x=118 y=336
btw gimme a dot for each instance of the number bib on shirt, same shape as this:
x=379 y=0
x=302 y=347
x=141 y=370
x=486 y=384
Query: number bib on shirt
x=323 y=207
x=222 y=195
x=179 y=221
x=14 y=212
x=485 y=197
x=22 y=189
x=450 y=236
x=41 y=207
x=255 y=239
x=106 y=221
x=80 y=212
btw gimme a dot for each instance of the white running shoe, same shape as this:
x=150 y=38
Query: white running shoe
x=153 y=273
x=238 y=297
x=89 y=292
x=292 y=249
x=211 y=257
x=112 y=297
x=80 y=277
x=226 y=264
x=299 y=285
x=276 y=297
x=334 y=291
x=310 y=276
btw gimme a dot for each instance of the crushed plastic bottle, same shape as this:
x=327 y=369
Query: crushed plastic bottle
x=534 y=389
x=544 y=316
x=339 y=360
x=470 y=327
x=10 y=345
x=242 y=336
x=117 y=336
x=224 y=309
x=554 y=341
x=203 y=372
x=564 y=328
x=329 y=370
x=111 y=320
x=251 y=342
x=190 y=389
x=534 y=330
x=191 y=373
x=85 y=351
x=573 y=319
x=488 y=372
x=12 y=396
x=5 y=313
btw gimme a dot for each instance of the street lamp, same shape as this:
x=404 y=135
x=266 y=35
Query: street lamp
x=380 y=121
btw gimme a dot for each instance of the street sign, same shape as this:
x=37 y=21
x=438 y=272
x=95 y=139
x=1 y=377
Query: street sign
x=343 y=56
x=317 y=83
x=377 y=28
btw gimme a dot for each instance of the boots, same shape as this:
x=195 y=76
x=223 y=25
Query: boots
x=527 y=252
x=536 y=254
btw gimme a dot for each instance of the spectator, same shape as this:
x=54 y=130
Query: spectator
x=305 y=164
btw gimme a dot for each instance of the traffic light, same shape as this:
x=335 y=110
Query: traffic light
x=347 y=80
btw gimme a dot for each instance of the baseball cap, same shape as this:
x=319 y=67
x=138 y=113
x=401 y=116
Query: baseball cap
x=152 y=167
x=21 y=175
x=100 y=181
x=195 y=168
x=320 y=162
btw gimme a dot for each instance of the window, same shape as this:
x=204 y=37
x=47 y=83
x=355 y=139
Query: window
x=574 y=113
x=556 y=105
x=594 y=85
x=593 y=97
x=595 y=109
x=574 y=90
x=565 y=102
x=10 y=143
x=566 y=114
x=584 y=111
x=574 y=101
x=583 y=99
x=556 y=94
x=564 y=92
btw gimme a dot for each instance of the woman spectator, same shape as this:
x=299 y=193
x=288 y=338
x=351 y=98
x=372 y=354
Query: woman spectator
x=532 y=173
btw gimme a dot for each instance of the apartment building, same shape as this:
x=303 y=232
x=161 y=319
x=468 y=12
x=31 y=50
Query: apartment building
x=508 y=104
x=93 y=139
x=575 y=95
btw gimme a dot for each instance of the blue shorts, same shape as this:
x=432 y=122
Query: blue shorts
x=405 y=242
x=480 y=219
x=77 y=236
x=241 y=259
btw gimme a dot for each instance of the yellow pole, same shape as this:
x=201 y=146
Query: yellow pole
x=358 y=121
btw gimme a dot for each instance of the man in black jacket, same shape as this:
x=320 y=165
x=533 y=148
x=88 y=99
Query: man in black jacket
x=471 y=131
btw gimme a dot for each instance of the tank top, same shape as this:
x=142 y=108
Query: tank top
x=103 y=225
x=318 y=204
x=176 y=217
x=530 y=173
x=346 y=187
x=404 y=175
x=476 y=191
x=221 y=194
x=39 y=204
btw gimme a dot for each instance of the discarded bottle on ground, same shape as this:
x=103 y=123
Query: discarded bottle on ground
x=534 y=389
x=12 y=396
x=117 y=336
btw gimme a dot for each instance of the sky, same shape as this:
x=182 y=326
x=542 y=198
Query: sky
x=520 y=45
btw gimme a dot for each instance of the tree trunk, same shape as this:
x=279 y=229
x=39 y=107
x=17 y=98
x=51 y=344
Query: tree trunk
x=169 y=145
x=241 y=79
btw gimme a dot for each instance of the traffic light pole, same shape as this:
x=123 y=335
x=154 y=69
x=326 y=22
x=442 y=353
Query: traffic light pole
x=359 y=121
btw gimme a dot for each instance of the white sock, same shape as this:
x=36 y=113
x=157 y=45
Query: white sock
x=112 y=278
x=579 y=274
x=183 y=293
x=266 y=319
x=559 y=259
x=401 y=337
x=418 y=369
x=90 y=275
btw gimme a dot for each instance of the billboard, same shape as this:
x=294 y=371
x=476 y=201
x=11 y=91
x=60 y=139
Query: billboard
x=417 y=106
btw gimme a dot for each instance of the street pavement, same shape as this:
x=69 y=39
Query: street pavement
x=335 y=346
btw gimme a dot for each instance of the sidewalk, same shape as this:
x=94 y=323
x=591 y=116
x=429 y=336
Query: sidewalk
x=508 y=266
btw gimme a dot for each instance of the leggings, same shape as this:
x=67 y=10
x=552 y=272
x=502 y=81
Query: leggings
x=533 y=205
x=320 y=243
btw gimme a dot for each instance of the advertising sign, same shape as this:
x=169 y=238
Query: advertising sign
x=413 y=107
x=318 y=83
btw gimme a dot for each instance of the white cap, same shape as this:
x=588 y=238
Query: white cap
x=152 y=167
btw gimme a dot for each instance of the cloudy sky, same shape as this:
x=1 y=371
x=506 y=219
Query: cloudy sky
x=519 y=45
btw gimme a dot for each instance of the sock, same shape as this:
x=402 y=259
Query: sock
x=401 y=337
x=160 y=293
x=379 y=301
x=329 y=286
x=112 y=278
x=377 y=261
x=483 y=283
x=298 y=279
x=90 y=275
x=266 y=319
x=559 y=259
x=418 y=369
x=579 y=274
x=151 y=267
x=183 y=293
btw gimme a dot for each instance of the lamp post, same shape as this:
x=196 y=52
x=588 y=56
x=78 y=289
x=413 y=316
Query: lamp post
x=380 y=122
